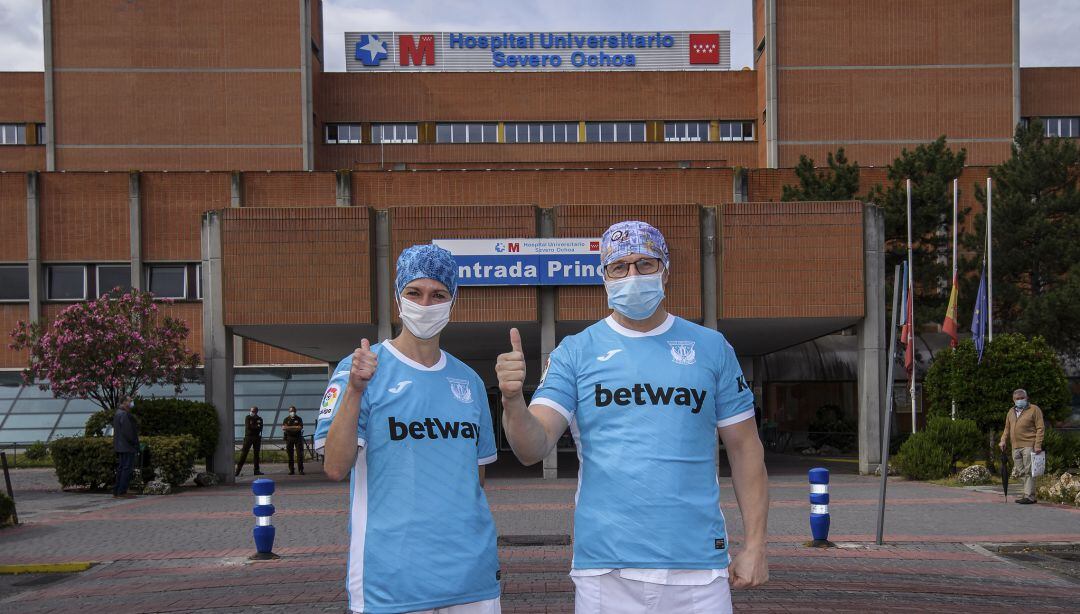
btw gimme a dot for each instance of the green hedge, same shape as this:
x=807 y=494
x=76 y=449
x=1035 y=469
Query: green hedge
x=921 y=458
x=37 y=451
x=91 y=461
x=1062 y=450
x=168 y=417
x=7 y=510
x=960 y=439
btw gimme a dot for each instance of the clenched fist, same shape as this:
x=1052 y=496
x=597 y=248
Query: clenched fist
x=510 y=368
x=364 y=363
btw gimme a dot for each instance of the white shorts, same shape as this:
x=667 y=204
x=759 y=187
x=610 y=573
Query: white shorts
x=487 y=606
x=613 y=594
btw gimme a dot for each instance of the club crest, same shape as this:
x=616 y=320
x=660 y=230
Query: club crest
x=682 y=352
x=461 y=390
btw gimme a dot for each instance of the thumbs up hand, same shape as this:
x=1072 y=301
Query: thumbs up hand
x=510 y=368
x=364 y=363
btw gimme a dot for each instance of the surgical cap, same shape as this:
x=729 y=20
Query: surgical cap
x=627 y=238
x=426 y=262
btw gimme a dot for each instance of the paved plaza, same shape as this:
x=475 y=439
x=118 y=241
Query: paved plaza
x=188 y=552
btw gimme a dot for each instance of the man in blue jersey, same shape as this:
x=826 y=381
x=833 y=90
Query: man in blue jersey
x=410 y=425
x=644 y=394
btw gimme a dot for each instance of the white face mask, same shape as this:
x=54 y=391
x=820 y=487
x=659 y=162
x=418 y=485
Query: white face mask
x=424 y=322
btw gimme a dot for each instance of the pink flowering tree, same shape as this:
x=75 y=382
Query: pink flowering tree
x=106 y=349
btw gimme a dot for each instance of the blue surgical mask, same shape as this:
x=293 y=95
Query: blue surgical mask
x=636 y=296
x=1021 y=404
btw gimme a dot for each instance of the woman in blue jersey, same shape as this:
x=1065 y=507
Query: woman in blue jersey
x=410 y=425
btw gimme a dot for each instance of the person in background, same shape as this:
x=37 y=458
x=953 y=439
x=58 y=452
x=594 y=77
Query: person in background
x=293 y=427
x=1024 y=431
x=126 y=445
x=253 y=426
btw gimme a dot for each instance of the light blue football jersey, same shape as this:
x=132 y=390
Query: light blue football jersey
x=421 y=531
x=644 y=409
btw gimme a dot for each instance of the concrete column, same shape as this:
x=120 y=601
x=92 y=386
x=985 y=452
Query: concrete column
x=772 y=119
x=343 y=189
x=383 y=281
x=708 y=267
x=217 y=346
x=871 y=332
x=546 y=228
x=307 y=121
x=236 y=189
x=135 y=226
x=719 y=262
x=50 y=108
x=238 y=350
x=34 y=271
x=1015 y=64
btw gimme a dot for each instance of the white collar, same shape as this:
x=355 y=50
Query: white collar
x=412 y=363
x=626 y=332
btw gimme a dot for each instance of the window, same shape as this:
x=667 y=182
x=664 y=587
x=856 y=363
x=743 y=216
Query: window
x=558 y=132
x=1062 y=126
x=686 y=131
x=393 y=133
x=42 y=134
x=65 y=282
x=110 y=276
x=614 y=132
x=167 y=280
x=337 y=134
x=12 y=134
x=736 y=131
x=14 y=282
x=466 y=133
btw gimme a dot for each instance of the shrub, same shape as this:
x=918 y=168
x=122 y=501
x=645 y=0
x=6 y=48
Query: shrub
x=171 y=459
x=167 y=417
x=7 y=510
x=830 y=427
x=921 y=458
x=1062 y=450
x=84 y=461
x=37 y=451
x=960 y=439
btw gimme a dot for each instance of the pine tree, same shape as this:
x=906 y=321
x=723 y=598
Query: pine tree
x=1036 y=240
x=839 y=182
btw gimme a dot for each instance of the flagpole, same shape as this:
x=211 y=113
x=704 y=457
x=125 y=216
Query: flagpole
x=989 y=261
x=911 y=316
x=886 y=438
x=955 y=201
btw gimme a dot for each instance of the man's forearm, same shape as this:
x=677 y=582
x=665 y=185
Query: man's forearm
x=341 y=444
x=526 y=434
x=751 y=483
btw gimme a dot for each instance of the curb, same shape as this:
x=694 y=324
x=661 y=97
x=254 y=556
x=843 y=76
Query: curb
x=46 y=567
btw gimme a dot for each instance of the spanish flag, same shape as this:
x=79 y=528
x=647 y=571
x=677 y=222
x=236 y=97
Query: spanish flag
x=949 y=326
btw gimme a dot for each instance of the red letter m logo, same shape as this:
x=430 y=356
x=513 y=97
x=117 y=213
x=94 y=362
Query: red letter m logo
x=513 y=247
x=412 y=54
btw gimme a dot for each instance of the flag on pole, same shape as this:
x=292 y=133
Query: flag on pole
x=905 y=324
x=978 y=319
x=949 y=326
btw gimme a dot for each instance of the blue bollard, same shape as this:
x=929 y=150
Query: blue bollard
x=819 y=508
x=263 y=510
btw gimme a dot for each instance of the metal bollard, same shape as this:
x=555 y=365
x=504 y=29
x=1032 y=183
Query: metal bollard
x=263 y=510
x=819 y=508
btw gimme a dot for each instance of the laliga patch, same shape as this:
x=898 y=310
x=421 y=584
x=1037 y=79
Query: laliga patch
x=329 y=400
x=543 y=376
x=720 y=543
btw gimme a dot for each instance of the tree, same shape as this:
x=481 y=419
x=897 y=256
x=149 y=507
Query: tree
x=840 y=182
x=106 y=349
x=983 y=391
x=1036 y=209
x=931 y=168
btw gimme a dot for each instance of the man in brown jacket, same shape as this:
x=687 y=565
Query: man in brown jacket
x=1024 y=431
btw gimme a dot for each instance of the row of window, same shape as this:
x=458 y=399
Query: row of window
x=1062 y=126
x=15 y=134
x=541 y=132
x=79 y=282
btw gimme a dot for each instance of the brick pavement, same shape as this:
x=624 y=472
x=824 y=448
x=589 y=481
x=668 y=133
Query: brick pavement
x=187 y=552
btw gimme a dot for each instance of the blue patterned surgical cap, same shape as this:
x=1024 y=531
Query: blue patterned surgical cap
x=627 y=238
x=426 y=262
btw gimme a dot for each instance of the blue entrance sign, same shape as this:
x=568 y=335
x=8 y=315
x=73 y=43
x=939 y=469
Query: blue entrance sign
x=525 y=262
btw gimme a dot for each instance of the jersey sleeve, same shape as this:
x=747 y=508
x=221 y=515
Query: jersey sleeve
x=335 y=391
x=486 y=452
x=734 y=399
x=558 y=384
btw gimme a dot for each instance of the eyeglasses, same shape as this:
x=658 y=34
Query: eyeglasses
x=644 y=266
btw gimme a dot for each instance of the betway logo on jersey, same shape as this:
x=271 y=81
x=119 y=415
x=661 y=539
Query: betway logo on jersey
x=647 y=394
x=432 y=428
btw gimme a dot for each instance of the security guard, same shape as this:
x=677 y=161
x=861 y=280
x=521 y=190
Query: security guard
x=293 y=427
x=253 y=426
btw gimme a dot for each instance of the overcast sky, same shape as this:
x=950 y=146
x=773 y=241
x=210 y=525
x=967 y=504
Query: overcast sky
x=1047 y=27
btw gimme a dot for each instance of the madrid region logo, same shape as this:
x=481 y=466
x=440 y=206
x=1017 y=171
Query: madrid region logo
x=370 y=50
